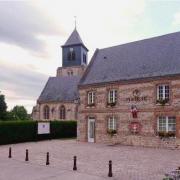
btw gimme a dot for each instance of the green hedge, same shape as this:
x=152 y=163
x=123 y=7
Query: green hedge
x=24 y=131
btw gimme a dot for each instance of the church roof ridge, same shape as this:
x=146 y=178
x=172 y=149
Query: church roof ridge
x=140 y=40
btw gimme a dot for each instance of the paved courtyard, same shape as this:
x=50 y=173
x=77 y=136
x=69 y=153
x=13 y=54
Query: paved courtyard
x=129 y=163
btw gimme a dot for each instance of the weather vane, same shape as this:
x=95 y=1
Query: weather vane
x=75 y=21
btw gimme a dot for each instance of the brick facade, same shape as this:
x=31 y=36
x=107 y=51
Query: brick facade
x=148 y=112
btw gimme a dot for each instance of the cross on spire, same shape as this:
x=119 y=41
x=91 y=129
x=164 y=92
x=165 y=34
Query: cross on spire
x=75 y=21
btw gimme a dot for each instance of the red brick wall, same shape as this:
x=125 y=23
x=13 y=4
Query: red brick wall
x=148 y=110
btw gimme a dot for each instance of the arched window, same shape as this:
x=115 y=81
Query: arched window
x=46 y=112
x=62 y=112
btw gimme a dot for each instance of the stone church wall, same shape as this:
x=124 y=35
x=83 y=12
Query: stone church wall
x=70 y=109
x=71 y=71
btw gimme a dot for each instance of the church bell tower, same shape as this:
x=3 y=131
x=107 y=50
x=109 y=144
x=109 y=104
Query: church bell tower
x=74 y=56
x=74 y=52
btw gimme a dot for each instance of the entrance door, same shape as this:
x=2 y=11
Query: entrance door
x=91 y=129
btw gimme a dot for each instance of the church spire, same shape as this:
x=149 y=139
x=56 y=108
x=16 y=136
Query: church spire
x=74 y=39
x=75 y=21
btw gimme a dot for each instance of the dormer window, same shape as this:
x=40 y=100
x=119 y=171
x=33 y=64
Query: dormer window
x=71 y=54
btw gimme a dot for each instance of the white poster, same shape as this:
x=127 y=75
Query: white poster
x=43 y=127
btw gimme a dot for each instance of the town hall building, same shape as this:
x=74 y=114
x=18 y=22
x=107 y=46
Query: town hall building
x=128 y=94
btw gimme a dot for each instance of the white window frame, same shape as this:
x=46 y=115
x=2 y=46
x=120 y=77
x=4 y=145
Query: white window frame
x=165 y=92
x=112 y=123
x=167 y=123
x=91 y=97
x=112 y=96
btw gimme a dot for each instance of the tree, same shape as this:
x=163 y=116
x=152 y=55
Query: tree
x=19 y=113
x=3 y=107
x=11 y=116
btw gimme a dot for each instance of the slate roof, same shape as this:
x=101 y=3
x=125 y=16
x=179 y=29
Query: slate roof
x=154 y=57
x=74 y=39
x=60 y=89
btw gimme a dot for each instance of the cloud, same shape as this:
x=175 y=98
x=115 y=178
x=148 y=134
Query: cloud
x=176 y=20
x=20 y=84
x=23 y=25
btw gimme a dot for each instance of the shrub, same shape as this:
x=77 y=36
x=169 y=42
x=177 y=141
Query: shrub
x=24 y=131
x=63 y=129
x=17 y=131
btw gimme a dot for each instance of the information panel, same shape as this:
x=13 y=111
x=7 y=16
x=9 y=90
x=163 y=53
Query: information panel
x=43 y=127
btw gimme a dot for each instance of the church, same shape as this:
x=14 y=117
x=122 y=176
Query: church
x=60 y=98
x=128 y=94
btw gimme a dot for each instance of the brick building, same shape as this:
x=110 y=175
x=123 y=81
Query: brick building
x=130 y=94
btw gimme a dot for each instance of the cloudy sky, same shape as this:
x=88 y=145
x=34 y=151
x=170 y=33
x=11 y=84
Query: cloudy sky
x=31 y=33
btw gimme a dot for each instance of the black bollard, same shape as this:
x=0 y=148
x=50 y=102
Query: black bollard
x=74 y=166
x=110 y=169
x=27 y=155
x=47 y=159
x=10 y=153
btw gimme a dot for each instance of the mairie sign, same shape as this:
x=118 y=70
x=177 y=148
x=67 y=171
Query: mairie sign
x=136 y=97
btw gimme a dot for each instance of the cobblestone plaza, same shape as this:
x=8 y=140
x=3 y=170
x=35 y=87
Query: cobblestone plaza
x=129 y=163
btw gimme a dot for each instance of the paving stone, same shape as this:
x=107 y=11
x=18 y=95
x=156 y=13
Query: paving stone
x=129 y=163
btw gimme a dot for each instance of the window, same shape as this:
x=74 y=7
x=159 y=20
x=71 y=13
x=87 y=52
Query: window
x=71 y=54
x=46 y=112
x=166 y=124
x=163 y=92
x=84 y=59
x=112 y=123
x=112 y=96
x=91 y=98
x=62 y=112
x=70 y=73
